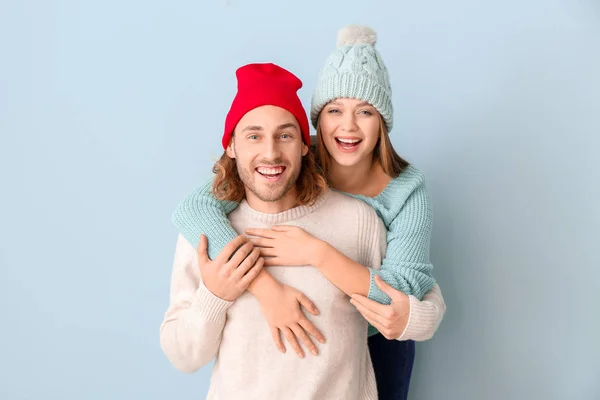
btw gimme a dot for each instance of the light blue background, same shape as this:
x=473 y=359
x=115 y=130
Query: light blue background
x=111 y=111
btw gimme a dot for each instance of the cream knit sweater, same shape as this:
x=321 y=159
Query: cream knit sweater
x=199 y=326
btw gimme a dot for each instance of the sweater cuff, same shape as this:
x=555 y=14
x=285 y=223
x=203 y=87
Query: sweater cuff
x=375 y=293
x=211 y=307
x=421 y=321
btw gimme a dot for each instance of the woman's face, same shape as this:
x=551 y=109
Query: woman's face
x=350 y=130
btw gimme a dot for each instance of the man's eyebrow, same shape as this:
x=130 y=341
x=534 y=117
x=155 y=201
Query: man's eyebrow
x=286 y=126
x=252 y=128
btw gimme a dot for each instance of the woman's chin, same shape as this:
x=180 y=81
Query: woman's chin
x=347 y=160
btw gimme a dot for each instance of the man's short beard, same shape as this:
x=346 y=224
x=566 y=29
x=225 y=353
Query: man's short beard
x=272 y=195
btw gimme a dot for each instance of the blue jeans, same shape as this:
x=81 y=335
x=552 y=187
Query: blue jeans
x=393 y=362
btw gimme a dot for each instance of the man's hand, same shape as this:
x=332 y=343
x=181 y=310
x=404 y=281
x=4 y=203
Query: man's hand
x=389 y=320
x=228 y=277
x=282 y=307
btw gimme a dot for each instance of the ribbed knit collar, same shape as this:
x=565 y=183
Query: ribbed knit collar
x=289 y=215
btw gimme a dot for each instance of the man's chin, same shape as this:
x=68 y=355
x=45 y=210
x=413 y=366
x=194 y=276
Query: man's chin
x=271 y=191
x=270 y=196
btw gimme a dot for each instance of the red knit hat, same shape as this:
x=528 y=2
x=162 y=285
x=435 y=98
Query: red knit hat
x=261 y=85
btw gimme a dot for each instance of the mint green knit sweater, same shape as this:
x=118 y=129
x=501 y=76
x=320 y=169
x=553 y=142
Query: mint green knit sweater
x=403 y=206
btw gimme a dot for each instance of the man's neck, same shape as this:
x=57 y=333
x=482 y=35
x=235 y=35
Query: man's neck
x=287 y=202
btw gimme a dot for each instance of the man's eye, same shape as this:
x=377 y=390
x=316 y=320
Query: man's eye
x=285 y=136
x=253 y=137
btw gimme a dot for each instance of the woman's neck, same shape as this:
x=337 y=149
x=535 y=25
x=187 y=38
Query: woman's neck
x=366 y=178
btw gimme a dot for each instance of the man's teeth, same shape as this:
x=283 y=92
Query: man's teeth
x=348 y=141
x=270 y=171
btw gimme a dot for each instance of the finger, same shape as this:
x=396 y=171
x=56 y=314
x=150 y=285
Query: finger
x=386 y=288
x=230 y=248
x=301 y=334
x=202 y=249
x=267 y=252
x=240 y=255
x=309 y=305
x=310 y=328
x=266 y=233
x=253 y=273
x=262 y=242
x=273 y=262
x=277 y=339
x=372 y=305
x=291 y=338
x=246 y=264
x=281 y=228
x=375 y=324
x=370 y=314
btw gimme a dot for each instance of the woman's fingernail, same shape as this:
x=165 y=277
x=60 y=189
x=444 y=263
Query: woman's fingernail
x=315 y=352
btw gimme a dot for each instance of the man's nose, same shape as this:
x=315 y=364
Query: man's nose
x=272 y=149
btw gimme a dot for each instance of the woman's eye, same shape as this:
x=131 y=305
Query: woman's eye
x=365 y=112
x=333 y=110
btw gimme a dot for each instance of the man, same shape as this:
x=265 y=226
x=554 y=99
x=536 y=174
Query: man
x=267 y=166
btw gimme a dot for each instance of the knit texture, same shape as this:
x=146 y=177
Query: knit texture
x=425 y=316
x=198 y=326
x=356 y=70
x=200 y=213
x=404 y=207
x=262 y=84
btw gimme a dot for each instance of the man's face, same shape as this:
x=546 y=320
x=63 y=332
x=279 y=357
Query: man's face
x=268 y=149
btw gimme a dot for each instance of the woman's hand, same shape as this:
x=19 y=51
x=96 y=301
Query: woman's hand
x=282 y=307
x=390 y=320
x=286 y=245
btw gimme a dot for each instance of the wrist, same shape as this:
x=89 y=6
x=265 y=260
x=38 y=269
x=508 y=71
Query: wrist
x=264 y=286
x=318 y=252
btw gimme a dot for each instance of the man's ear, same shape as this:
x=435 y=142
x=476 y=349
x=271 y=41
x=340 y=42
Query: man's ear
x=304 y=149
x=230 y=150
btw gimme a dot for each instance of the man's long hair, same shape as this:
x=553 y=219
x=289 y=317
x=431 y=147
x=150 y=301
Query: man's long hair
x=228 y=185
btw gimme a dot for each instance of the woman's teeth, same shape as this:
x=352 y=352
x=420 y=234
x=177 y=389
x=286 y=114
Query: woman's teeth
x=348 y=143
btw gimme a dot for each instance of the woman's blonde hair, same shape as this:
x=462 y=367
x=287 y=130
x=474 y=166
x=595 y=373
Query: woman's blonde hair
x=384 y=153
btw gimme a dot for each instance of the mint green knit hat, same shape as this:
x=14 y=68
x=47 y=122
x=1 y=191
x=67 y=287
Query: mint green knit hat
x=354 y=70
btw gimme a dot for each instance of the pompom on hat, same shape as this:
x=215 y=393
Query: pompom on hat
x=354 y=70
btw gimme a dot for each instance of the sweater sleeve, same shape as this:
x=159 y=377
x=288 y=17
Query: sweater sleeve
x=200 y=213
x=406 y=265
x=425 y=315
x=190 y=334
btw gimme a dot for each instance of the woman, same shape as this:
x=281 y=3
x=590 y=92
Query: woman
x=352 y=112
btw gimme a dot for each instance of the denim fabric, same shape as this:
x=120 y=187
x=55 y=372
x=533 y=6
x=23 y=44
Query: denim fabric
x=393 y=363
